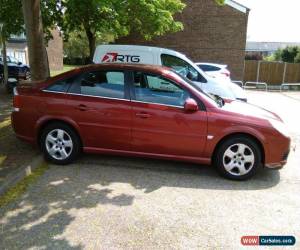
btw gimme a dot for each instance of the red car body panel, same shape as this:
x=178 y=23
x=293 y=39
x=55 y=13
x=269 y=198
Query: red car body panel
x=129 y=127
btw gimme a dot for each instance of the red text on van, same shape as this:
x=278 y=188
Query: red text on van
x=115 y=57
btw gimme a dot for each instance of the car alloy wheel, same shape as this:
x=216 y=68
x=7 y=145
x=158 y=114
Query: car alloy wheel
x=238 y=159
x=59 y=144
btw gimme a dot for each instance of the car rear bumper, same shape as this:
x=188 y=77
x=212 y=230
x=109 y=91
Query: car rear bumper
x=22 y=131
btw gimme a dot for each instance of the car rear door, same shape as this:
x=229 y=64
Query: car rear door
x=99 y=103
x=160 y=123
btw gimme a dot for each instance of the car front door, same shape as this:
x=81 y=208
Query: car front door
x=99 y=103
x=160 y=124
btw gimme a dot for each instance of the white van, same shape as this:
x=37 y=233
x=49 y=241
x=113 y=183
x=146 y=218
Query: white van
x=172 y=59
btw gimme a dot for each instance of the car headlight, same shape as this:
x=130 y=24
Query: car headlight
x=280 y=127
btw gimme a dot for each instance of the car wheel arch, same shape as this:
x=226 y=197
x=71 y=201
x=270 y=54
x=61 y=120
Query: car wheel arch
x=43 y=124
x=245 y=135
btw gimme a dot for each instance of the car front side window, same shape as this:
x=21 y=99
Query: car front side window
x=156 y=89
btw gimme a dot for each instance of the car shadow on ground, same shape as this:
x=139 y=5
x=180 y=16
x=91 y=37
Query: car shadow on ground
x=42 y=215
x=169 y=173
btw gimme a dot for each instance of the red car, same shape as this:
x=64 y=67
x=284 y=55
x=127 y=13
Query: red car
x=146 y=111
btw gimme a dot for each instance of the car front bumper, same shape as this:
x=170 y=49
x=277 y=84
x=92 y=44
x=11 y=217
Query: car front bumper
x=284 y=157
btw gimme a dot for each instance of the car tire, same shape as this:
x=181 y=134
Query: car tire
x=60 y=144
x=238 y=158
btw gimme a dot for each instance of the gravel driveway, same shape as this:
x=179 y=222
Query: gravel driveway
x=126 y=203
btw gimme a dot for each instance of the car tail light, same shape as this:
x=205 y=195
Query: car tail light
x=225 y=72
x=16 y=100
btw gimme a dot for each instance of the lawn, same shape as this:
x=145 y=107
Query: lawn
x=65 y=69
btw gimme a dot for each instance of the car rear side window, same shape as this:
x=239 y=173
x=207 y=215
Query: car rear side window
x=156 y=89
x=61 y=85
x=104 y=84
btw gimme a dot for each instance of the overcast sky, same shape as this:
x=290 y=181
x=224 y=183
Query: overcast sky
x=273 y=20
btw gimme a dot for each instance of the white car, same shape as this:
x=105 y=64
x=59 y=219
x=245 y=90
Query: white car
x=215 y=70
x=172 y=59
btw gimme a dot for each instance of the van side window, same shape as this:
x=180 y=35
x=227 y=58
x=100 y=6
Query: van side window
x=156 y=89
x=181 y=67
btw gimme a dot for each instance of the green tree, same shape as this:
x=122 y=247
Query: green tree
x=37 y=53
x=288 y=54
x=277 y=55
x=297 y=58
x=76 y=48
x=148 y=18
x=96 y=17
x=12 y=18
x=40 y=17
x=11 y=22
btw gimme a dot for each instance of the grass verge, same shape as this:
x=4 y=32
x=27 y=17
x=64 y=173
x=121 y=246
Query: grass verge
x=65 y=69
x=16 y=191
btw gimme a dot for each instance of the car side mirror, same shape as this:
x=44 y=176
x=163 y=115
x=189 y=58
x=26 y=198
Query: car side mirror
x=190 y=105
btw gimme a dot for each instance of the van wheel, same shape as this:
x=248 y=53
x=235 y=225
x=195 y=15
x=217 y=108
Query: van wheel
x=238 y=158
x=60 y=143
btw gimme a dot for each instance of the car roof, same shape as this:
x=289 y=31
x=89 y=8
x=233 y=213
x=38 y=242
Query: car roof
x=155 y=69
x=128 y=66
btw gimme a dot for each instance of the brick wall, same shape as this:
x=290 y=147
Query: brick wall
x=55 y=51
x=211 y=34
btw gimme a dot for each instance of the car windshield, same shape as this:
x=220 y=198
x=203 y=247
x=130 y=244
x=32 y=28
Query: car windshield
x=217 y=99
x=13 y=60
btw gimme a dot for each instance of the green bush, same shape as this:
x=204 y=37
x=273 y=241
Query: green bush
x=290 y=54
x=297 y=58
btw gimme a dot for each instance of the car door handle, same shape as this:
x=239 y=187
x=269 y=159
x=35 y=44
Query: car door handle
x=143 y=115
x=82 y=107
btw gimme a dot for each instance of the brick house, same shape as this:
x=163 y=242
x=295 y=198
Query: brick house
x=17 y=47
x=211 y=34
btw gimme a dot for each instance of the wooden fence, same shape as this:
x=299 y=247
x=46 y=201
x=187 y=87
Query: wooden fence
x=272 y=72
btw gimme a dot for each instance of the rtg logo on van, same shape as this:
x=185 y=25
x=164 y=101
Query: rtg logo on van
x=115 y=57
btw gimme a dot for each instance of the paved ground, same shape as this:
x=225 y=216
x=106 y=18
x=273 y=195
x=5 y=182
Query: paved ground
x=13 y=152
x=117 y=203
